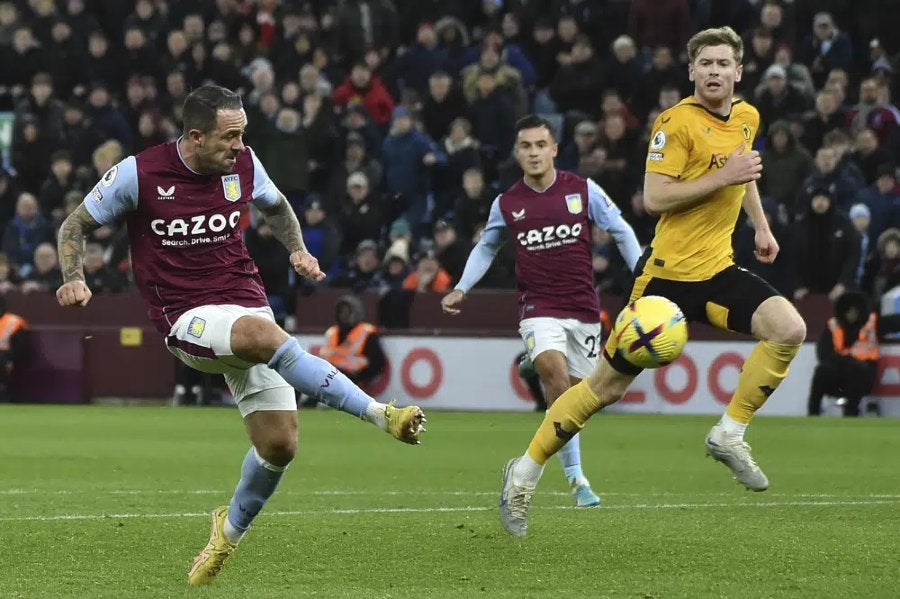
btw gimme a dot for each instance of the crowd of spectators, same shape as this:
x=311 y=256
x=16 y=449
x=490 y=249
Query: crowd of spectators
x=389 y=124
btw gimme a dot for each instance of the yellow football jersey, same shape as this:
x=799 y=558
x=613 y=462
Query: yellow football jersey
x=689 y=141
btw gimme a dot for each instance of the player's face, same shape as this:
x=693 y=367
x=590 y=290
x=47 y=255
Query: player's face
x=220 y=147
x=535 y=151
x=714 y=73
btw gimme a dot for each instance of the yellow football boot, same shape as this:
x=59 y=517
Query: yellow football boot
x=404 y=424
x=208 y=563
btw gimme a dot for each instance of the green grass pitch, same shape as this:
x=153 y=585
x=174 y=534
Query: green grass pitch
x=112 y=502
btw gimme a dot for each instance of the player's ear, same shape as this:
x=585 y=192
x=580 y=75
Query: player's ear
x=690 y=72
x=739 y=72
x=196 y=136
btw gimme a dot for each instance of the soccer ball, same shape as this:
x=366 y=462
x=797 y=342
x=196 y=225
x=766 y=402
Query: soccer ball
x=650 y=332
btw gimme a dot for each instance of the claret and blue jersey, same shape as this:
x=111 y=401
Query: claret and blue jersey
x=186 y=245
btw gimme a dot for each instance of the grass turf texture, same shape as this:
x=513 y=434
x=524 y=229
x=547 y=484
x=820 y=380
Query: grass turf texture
x=113 y=502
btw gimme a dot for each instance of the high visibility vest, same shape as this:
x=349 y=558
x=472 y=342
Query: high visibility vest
x=866 y=345
x=10 y=324
x=348 y=354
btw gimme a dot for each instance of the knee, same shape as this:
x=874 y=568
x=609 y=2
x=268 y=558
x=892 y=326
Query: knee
x=792 y=331
x=279 y=450
x=555 y=385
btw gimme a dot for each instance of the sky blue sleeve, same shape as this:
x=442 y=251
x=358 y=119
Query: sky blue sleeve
x=484 y=251
x=606 y=215
x=115 y=194
x=265 y=193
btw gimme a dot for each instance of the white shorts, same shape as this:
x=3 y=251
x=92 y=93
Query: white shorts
x=201 y=338
x=579 y=341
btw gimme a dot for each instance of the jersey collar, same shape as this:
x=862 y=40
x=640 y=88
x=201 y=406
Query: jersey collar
x=181 y=158
x=535 y=189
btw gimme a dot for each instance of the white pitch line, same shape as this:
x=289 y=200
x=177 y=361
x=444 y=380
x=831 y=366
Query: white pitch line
x=466 y=509
x=413 y=492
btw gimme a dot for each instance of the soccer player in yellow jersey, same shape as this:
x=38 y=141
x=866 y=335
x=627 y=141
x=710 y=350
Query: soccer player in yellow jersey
x=700 y=172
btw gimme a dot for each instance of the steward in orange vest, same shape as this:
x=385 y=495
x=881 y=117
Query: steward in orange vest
x=352 y=345
x=11 y=346
x=848 y=353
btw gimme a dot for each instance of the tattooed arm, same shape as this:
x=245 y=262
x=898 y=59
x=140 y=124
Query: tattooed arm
x=286 y=229
x=74 y=291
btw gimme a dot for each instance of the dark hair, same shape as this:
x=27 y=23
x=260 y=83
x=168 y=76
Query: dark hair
x=202 y=105
x=533 y=121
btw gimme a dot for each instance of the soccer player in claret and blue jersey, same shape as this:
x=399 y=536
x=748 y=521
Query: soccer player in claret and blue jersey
x=182 y=202
x=549 y=214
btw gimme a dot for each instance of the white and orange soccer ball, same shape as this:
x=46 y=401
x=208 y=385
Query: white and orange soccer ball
x=650 y=332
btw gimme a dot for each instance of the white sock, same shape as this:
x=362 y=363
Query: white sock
x=731 y=428
x=234 y=535
x=527 y=472
x=375 y=414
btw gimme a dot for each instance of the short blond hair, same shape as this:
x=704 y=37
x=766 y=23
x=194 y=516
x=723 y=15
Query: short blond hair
x=718 y=36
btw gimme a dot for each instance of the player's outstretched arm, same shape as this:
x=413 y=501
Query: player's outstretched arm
x=663 y=193
x=286 y=229
x=70 y=246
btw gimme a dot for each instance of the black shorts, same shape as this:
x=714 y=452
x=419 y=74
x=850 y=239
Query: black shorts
x=726 y=301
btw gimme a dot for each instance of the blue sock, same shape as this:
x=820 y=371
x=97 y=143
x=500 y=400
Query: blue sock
x=318 y=379
x=258 y=481
x=570 y=457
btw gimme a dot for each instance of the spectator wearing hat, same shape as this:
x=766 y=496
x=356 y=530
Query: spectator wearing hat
x=362 y=216
x=428 y=275
x=321 y=236
x=408 y=153
x=777 y=99
x=363 y=87
x=825 y=48
x=395 y=267
x=362 y=271
x=825 y=250
x=788 y=164
x=353 y=345
x=882 y=200
x=861 y=219
x=450 y=250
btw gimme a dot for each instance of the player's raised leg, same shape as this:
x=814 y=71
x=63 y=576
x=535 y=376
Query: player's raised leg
x=781 y=331
x=273 y=434
x=259 y=340
x=563 y=420
x=553 y=368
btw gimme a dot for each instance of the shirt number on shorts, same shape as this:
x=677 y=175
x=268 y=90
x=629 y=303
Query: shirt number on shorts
x=591 y=344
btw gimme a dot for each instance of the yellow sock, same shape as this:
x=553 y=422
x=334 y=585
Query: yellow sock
x=564 y=419
x=765 y=368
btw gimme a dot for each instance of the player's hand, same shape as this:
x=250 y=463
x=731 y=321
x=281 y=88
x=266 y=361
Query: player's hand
x=307 y=266
x=73 y=293
x=450 y=303
x=742 y=168
x=766 y=247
